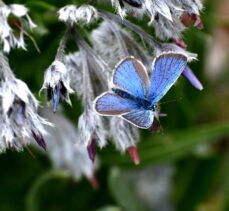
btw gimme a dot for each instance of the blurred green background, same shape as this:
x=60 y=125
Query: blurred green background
x=186 y=166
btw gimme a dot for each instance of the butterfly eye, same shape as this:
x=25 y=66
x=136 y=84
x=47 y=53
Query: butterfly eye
x=155 y=108
x=134 y=3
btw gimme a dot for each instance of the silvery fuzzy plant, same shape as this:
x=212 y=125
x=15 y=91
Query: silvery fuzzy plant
x=18 y=106
x=18 y=110
x=14 y=19
x=64 y=153
x=87 y=72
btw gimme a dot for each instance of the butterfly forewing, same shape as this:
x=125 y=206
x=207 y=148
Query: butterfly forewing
x=112 y=104
x=140 y=117
x=131 y=76
x=166 y=70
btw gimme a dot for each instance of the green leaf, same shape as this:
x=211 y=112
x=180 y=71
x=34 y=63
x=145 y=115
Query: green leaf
x=122 y=192
x=31 y=200
x=41 y=5
x=109 y=208
x=163 y=148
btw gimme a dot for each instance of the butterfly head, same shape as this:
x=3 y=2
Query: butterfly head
x=154 y=108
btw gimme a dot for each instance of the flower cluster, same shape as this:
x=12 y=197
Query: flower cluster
x=87 y=73
x=169 y=18
x=63 y=151
x=57 y=83
x=19 y=118
x=90 y=68
x=71 y=14
x=14 y=19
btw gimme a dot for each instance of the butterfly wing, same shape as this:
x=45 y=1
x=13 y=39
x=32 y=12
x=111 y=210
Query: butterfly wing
x=166 y=70
x=130 y=75
x=140 y=118
x=109 y=104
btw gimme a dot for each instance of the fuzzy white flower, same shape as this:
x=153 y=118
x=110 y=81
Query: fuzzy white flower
x=123 y=134
x=57 y=83
x=74 y=66
x=158 y=6
x=90 y=126
x=124 y=8
x=71 y=14
x=21 y=11
x=165 y=28
x=68 y=14
x=191 y=6
x=63 y=151
x=125 y=137
x=15 y=88
x=91 y=130
x=8 y=36
x=165 y=15
x=19 y=118
x=86 y=14
x=109 y=39
x=5 y=31
x=18 y=10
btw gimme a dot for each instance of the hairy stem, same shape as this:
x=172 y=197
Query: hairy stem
x=149 y=39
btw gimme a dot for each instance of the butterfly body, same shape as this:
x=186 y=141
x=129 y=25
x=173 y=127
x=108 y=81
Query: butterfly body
x=141 y=103
x=134 y=96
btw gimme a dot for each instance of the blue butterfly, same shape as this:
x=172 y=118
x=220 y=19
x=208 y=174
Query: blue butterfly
x=133 y=96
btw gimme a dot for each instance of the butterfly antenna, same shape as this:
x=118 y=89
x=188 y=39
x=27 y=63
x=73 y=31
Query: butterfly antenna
x=170 y=101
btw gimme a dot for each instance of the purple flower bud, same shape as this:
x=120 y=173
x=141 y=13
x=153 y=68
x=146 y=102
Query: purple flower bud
x=190 y=76
x=57 y=83
x=56 y=98
x=39 y=139
x=91 y=149
x=21 y=113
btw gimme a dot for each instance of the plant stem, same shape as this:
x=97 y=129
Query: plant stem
x=149 y=39
x=31 y=199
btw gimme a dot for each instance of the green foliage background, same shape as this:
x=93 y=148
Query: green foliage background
x=200 y=118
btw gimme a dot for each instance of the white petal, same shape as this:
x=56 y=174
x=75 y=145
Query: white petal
x=7 y=99
x=67 y=14
x=31 y=23
x=18 y=10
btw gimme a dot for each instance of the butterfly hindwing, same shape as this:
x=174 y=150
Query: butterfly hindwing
x=131 y=76
x=140 y=117
x=166 y=70
x=111 y=104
